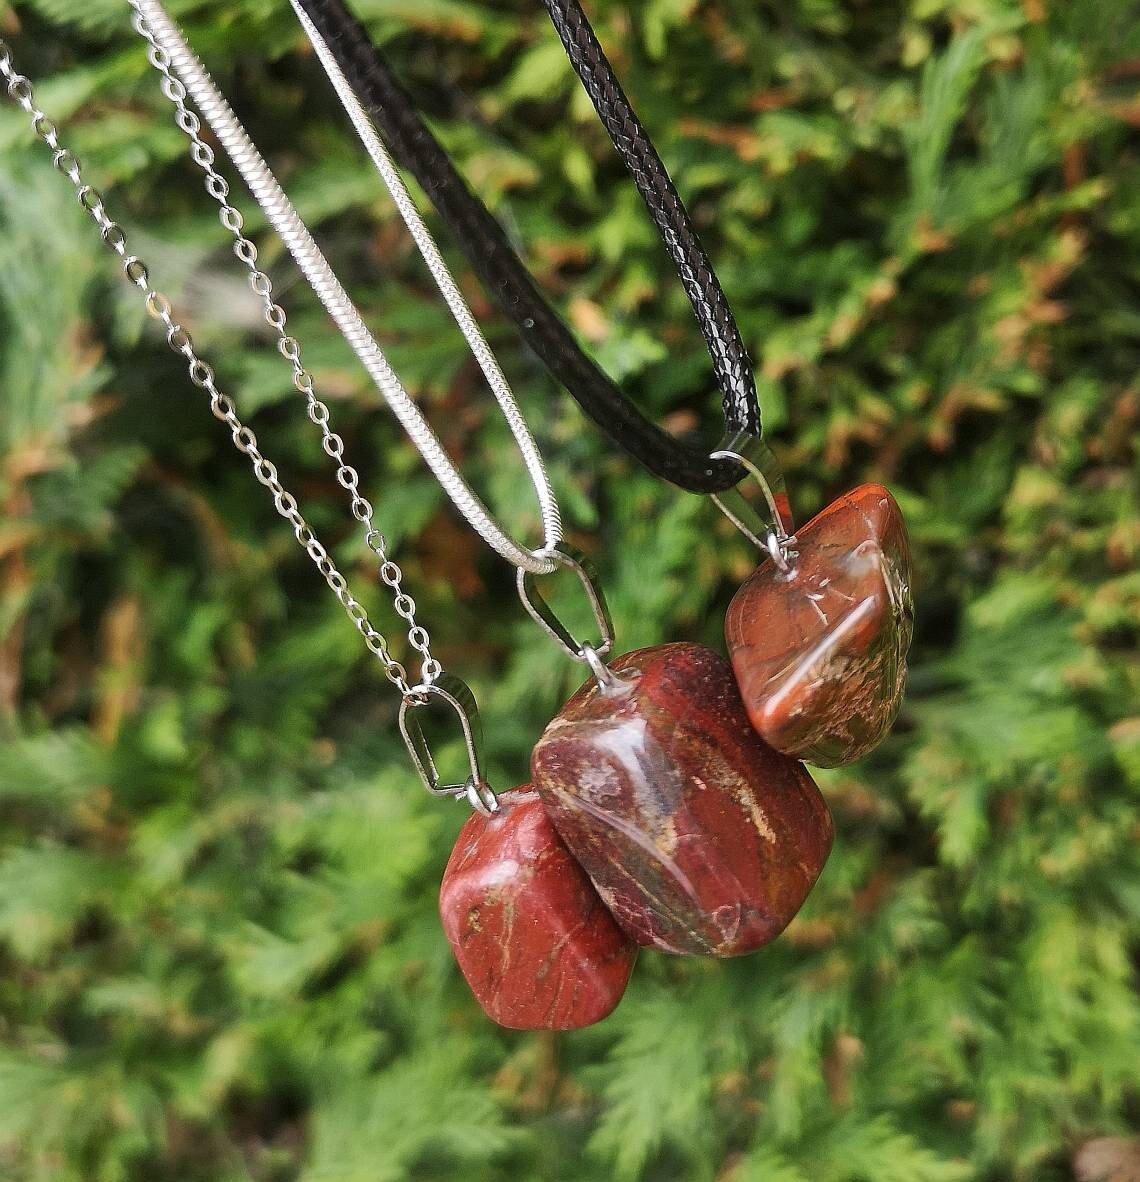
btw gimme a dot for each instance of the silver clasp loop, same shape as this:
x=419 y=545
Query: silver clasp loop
x=481 y=797
x=777 y=548
x=771 y=531
x=456 y=695
x=588 y=652
x=599 y=668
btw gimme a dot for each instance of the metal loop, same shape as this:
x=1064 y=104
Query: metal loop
x=20 y=90
x=66 y=162
x=777 y=548
x=757 y=457
x=599 y=668
x=179 y=339
x=46 y=130
x=481 y=798
x=89 y=198
x=157 y=305
x=565 y=555
x=201 y=374
x=114 y=237
x=456 y=695
x=136 y=272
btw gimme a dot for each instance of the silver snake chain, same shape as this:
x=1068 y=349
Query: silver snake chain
x=297 y=238
x=20 y=90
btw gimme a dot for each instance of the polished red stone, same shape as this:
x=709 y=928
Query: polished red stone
x=532 y=938
x=820 y=650
x=699 y=837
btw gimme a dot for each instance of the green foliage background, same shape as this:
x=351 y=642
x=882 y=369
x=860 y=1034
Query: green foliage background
x=220 y=955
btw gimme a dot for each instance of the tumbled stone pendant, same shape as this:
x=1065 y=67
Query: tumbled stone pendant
x=532 y=938
x=819 y=649
x=699 y=837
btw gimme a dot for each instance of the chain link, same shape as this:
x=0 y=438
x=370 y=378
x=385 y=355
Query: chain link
x=288 y=346
x=20 y=90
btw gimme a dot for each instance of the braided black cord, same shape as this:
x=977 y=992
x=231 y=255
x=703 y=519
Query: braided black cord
x=718 y=325
x=502 y=272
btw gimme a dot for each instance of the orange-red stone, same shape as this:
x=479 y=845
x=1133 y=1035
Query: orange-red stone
x=820 y=650
x=698 y=836
x=532 y=938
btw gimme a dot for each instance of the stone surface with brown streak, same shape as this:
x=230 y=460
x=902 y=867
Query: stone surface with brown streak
x=533 y=940
x=699 y=837
x=820 y=650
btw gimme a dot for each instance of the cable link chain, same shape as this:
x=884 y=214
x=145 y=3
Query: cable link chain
x=20 y=90
x=289 y=348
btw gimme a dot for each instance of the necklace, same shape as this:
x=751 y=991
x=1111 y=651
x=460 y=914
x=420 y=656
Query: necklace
x=818 y=635
x=295 y=234
x=202 y=374
x=755 y=856
x=558 y=896
x=505 y=276
x=819 y=646
x=659 y=816
x=557 y=915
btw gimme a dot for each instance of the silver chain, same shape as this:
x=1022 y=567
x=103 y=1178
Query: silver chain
x=313 y=264
x=444 y=280
x=262 y=286
x=20 y=90
x=557 y=551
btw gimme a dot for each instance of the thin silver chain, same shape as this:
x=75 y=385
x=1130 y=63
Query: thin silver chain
x=262 y=286
x=20 y=90
x=295 y=234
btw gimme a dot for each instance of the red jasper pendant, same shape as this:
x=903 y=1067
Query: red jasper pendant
x=699 y=837
x=820 y=649
x=532 y=938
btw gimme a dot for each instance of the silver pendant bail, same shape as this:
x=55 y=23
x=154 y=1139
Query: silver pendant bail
x=587 y=652
x=456 y=695
x=769 y=531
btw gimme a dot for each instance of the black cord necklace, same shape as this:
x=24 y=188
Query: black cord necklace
x=505 y=275
x=718 y=325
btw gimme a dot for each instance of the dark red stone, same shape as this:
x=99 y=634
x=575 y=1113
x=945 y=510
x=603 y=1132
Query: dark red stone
x=699 y=837
x=820 y=650
x=532 y=938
